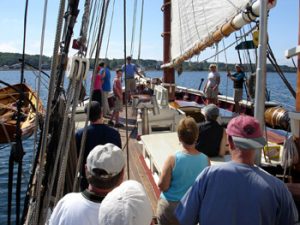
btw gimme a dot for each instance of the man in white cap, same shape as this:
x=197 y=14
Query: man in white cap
x=238 y=81
x=212 y=136
x=104 y=171
x=238 y=192
x=211 y=88
x=127 y=204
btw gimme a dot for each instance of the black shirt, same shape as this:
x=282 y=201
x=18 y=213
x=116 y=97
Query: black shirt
x=210 y=136
x=97 y=134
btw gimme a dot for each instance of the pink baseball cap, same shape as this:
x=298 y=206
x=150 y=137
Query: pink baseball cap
x=246 y=133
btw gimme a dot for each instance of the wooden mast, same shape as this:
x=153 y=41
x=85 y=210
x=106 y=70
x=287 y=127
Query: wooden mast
x=168 y=73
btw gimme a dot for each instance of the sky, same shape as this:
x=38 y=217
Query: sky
x=282 y=29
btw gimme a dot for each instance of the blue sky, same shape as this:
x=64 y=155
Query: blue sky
x=283 y=29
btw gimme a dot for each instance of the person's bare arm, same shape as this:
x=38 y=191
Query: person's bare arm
x=166 y=174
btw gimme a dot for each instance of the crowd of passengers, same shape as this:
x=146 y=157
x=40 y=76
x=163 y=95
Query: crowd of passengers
x=192 y=191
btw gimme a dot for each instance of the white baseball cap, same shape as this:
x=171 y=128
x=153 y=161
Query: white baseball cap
x=108 y=157
x=127 y=204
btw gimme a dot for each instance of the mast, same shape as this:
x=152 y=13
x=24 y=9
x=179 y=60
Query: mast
x=259 y=108
x=168 y=73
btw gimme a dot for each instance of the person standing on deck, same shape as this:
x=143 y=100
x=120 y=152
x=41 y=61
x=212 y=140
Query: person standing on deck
x=104 y=171
x=97 y=134
x=238 y=81
x=238 y=192
x=118 y=96
x=130 y=70
x=106 y=88
x=212 y=136
x=97 y=95
x=179 y=171
x=211 y=88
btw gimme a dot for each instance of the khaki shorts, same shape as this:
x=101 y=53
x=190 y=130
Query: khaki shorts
x=130 y=83
x=238 y=94
x=118 y=105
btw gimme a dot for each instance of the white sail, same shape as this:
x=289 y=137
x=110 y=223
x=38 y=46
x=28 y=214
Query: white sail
x=198 y=24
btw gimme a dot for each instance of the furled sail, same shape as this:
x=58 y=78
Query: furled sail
x=196 y=25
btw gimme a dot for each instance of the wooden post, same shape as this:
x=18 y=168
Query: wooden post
x=168 y=73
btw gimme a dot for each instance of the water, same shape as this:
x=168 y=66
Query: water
x=276 y=87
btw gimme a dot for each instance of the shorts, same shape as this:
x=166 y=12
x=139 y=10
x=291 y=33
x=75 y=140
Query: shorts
x=238 y=94
x=165 y=212
x=118 y=105
x=130 y=83
x=210 y=93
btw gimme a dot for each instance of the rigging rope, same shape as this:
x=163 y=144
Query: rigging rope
x=126 y=88
x=44 y=140
x=133 y=28
x=98 y=48
x=226 y=63
x=273 y=61
x=109 y=33
x=224 y=49
x=290 y=154
x=17 y=153
x=141 y=29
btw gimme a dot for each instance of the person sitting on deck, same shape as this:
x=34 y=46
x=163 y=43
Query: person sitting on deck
x=148 y=90
x=104 y=171
x=238 y=82
x=238 y=192
x=127 y=204
x=212 y=136
x=97 y=134
x=118 y=97
x=180 y=171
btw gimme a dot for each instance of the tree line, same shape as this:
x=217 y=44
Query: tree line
x=12 y=61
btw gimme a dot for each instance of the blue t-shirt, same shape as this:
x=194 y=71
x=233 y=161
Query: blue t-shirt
x=238 y=83
x=130 y=70
x=106 y=86
x=237 y=194
x=187 y=167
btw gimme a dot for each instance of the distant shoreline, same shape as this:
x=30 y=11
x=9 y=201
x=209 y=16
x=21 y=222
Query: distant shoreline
x=11 y=61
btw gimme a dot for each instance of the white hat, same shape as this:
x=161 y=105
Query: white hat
x=127 y=204
x=108 y=157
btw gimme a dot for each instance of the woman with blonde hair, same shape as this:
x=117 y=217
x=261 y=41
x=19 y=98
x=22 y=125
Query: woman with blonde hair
x=211 y=88
x=180 y=171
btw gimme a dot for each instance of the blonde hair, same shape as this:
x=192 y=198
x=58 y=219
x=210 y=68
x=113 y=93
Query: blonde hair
x=187 y=130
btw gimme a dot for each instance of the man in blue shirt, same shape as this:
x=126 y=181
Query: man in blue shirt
x=106 y=88
x=238 y=81
x=130 y=70
x=238 y=192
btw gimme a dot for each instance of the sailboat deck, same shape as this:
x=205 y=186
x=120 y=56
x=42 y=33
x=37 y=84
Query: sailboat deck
x=135 y=165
